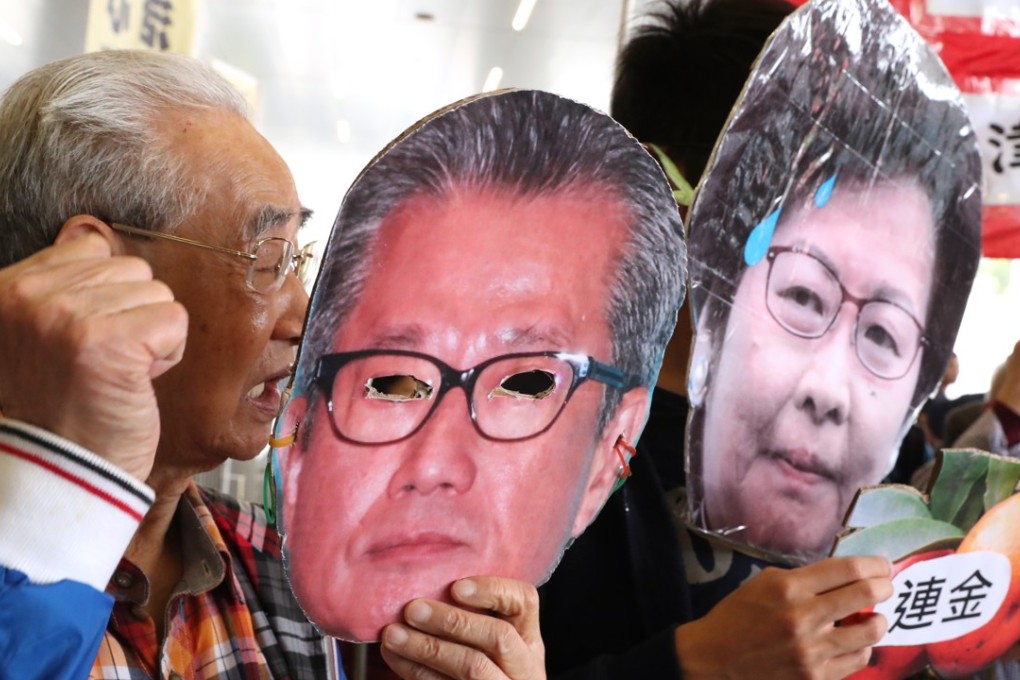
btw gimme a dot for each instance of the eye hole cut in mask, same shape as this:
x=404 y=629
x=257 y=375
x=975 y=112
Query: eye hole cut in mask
x=536 y=384
x=397 y=388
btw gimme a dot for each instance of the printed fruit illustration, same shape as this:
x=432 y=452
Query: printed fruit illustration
x=892 y=663
x=895 y=662
x=971 y=508
x=997 y=531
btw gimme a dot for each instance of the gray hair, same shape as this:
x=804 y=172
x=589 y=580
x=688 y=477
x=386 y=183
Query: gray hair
x=82 y=136
x=531 y=143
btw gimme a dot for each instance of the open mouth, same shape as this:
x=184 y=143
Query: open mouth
x=268 y=393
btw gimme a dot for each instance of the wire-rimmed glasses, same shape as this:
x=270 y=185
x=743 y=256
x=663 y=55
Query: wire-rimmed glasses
x=804 y=296
x=268 y=263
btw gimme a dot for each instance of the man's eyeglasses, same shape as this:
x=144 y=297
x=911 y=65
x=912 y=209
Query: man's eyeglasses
x=804 y=296
x=380 y=396
x=268 y=264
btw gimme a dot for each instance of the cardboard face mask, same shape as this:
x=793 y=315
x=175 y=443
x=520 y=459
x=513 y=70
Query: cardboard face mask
x=833 y=244
x=492 y=310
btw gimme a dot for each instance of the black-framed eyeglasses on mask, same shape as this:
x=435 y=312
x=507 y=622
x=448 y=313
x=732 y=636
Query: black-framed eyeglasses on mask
x=378 y=396
x=268 y=263
x=804 y=296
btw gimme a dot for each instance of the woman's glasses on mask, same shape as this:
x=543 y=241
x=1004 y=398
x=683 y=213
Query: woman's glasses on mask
x=804 y=296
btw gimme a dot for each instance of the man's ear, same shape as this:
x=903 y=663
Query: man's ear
x=606 y=465
x=79 y=225
x=290 y=456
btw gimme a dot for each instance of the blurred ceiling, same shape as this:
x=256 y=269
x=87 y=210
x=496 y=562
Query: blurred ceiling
x=338 y=79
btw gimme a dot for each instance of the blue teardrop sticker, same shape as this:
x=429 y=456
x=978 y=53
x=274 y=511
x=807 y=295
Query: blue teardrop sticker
x=824 y=192
x=760 y=238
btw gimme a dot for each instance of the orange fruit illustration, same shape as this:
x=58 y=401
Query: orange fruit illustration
x=897 y=661
x=997 y=530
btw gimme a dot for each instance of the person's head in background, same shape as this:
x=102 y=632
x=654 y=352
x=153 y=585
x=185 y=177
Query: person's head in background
x=677 y=79
x=815 y=348
x=514 y=246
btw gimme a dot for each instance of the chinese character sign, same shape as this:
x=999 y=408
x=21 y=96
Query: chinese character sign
x=956 y=565
x=833 y=242
x=1005 y=143
x=996 y=118
x=944 y=598
x=162 y=25
x=979 y=41
x=487 y=326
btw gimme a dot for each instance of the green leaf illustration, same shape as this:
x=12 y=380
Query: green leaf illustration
x=880 y=504
x=894 y=540
x=1001 y=480
x=957 y=493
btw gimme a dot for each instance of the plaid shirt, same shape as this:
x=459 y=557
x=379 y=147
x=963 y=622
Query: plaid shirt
x=233 y=615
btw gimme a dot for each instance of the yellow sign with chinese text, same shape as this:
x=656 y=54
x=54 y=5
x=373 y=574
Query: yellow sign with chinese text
x=161 y=25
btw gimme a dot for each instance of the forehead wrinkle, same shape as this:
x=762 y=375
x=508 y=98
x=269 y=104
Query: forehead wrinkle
x=397 y=337
x=413 y=336
x=535 y=335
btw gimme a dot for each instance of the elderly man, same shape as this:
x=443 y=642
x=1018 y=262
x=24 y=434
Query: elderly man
x=493 y=309
x=160 y=323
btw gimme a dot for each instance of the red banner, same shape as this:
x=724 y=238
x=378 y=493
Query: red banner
x=979 y=41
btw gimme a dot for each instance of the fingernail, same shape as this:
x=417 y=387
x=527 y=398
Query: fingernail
x=465 y=588
x=418 y=612
x=395 y=635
